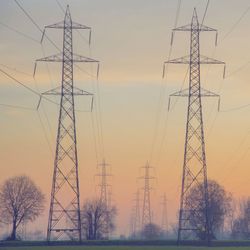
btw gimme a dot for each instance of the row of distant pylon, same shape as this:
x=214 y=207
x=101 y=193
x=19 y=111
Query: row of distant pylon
x=142 y=212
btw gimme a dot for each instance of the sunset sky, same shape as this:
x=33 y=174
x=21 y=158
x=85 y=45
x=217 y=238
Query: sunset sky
x=131 y=38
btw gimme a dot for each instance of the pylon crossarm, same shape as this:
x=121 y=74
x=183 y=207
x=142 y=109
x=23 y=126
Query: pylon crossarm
x=207 y=60
x=206 y=28
x=59 y=58
x=79 y=58
x=181 y=60
x=186 y=60
x=185 y=93
x=53 y=58
x=183 y=28
x=189 y=27
x=57 y=91
x=60 y=25
x=203 y=93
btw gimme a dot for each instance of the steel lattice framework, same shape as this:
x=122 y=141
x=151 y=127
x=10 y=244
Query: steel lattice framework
x=146 y=206
x=64 y=214
x=136 y=217
x=164 y=219
x=104 y=192
x=194 y=166
x=104 y=183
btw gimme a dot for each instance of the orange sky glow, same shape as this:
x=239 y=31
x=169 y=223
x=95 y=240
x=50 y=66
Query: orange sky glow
x=132 y=40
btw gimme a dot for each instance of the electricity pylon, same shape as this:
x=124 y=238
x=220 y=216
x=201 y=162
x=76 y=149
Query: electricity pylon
x=64 y=214
x=110 y=198
x=104 y=194
x=164 y=216
x=136 y=221
x=137 y=213
x=146 y=206
x=104 y=183
x=194 y=166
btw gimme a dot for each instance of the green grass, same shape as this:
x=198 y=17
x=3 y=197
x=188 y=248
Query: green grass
x=123 y=248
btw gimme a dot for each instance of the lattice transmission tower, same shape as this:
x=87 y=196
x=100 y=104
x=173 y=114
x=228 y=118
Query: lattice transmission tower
x=147 y=188
x=64 y=214
x=104 y=186
x=136 y=215
x=164 y=215
x=105 y=193
x=194 y=166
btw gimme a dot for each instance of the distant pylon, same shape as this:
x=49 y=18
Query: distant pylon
x=136 y=215
x=146 y=206
x=194 y=166
x=64 y=214
x=164 y=216
x=137 y=212
x=110 y=199
x=105 y=193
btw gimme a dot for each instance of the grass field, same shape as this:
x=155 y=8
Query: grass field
x=123 y=248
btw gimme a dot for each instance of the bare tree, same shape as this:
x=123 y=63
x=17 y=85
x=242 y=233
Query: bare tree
x=97 y=219
x=241 y=224
x=20 y=201
x=219 y=205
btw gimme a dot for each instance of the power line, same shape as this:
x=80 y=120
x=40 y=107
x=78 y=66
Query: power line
x=177 y=13
x=20 y=83
x=236 y=23
x=26 y=108
x=26 y=87
x=31 y=90
x=167 y=118
x=205 y=13
x=19 y=32
x=40 y=120
x=236 y=108
x=35 y=24
x=45 y=133
x=235 y=71
x=60 y=6
x=63 y=11
x=162 y=90
x=28 y=15
x=94 y=137
x=16 y=107
x=45 y=35
x=14 y=69
x=98 y=113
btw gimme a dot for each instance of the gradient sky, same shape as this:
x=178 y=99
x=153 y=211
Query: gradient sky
x=131 y=39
